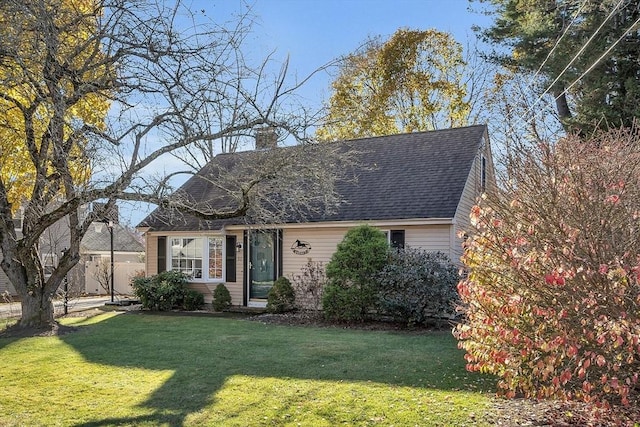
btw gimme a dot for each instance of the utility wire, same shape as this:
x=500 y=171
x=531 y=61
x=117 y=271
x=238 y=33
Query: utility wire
x=555 y=46
x=575 y=57
x=603 y=55
x=600 y=58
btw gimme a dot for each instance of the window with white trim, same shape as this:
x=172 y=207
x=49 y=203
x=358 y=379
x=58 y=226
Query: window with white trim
x=395 y=238
x=200 y=258
x=216 y=260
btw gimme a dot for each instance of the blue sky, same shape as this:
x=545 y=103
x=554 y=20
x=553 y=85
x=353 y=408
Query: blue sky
x=314 y=32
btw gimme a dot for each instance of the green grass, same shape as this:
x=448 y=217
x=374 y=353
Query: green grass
x=152 y=370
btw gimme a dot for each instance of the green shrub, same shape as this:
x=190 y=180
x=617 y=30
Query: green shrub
x=167 y=296
x=281 y=297
x=344 y=303
x=143 y=289
x=193 y=300
x=161 y=292
x=351 y=292
x=221 y=298
x=417 y=285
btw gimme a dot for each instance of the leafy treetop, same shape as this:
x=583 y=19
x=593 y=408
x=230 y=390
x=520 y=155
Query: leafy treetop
x=411 y=82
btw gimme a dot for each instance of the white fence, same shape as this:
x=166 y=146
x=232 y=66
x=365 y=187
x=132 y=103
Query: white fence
x=95 y=273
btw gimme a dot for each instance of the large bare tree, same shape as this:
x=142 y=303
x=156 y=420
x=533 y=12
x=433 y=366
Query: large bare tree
x=97 y=97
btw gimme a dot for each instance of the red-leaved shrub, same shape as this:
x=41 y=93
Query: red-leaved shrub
x=552 y=296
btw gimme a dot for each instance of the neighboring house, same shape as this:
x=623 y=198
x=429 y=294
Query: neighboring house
x=92 y=273
x=95 y=252
x=418 y=188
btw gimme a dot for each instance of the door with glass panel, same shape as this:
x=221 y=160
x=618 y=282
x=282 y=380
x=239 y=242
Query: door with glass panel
x=262 y=263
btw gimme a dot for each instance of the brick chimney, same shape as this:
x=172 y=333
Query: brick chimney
x=266 y=138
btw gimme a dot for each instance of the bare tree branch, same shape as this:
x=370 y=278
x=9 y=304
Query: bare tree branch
x=96 y=96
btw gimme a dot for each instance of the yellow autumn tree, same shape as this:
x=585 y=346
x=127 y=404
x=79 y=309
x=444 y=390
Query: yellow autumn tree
x=44 y=108
x=411 y=82
x=55 y=81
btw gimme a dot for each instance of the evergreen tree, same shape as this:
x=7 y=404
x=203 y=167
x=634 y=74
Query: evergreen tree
x=561 y=40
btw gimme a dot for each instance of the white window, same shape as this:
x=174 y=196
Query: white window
x=395 y=238
x=216 y=258
x=200 y=258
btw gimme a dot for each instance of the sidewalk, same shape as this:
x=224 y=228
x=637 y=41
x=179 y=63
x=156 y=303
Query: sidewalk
x=14 y=309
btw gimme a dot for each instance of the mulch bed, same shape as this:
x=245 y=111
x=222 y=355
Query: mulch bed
x=525 y=412
x=301 y=318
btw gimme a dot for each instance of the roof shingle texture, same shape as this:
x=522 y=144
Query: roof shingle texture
x=123 y=240
x=405 y=176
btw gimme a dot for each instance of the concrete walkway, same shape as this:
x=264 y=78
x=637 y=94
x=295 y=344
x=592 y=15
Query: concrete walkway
x=11 y=310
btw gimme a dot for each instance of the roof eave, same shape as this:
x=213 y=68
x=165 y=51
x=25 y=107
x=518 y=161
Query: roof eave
x=349 y=224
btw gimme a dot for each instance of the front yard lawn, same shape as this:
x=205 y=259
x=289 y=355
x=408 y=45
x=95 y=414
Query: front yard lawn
x=143 y=369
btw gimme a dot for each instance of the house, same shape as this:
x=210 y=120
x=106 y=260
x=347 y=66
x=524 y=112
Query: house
x=91 y=276
x=418 y=188
x=95 y=264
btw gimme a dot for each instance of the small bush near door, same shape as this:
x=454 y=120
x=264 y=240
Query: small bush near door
x=193 y=300
x=281 y=297
x=221 y=298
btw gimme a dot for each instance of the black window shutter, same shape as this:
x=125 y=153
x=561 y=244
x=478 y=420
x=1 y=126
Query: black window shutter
x=245 y=269
x=162 y=254
x=397 y=239
x=279 y=253
x=230 y=266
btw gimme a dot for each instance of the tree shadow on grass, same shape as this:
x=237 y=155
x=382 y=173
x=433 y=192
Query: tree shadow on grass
x=204 y=352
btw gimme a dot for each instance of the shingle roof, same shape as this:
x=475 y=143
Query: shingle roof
x=123 y=240
x=413 y=175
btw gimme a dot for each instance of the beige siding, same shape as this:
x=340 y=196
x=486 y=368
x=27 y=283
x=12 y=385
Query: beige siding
x=151 y=258
x=471 y=193
x=469 y=198
x=323 y=242
x=6 y=286
x=432 y=238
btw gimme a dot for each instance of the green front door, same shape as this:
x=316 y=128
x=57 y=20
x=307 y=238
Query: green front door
x=262 y=263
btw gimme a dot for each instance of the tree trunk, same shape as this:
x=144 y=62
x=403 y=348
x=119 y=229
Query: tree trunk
x=562 y=106
x=35 y=294
x=37 y=310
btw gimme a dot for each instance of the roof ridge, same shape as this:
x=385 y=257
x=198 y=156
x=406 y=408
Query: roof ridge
x=421 y=132
x=337 y=141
